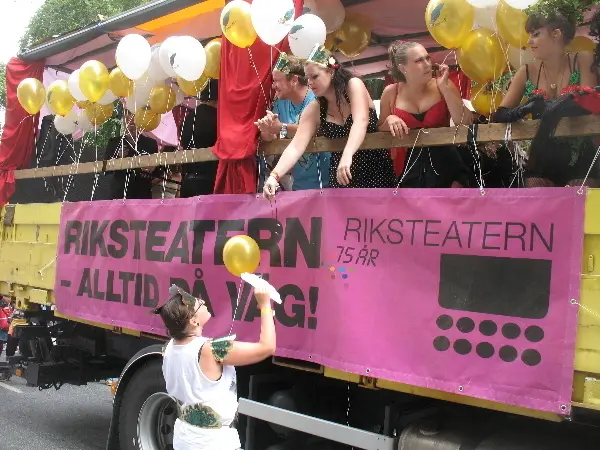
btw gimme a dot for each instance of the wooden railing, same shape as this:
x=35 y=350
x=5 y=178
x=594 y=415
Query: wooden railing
x=574 y=126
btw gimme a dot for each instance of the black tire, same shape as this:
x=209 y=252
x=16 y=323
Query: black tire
x=147 y=380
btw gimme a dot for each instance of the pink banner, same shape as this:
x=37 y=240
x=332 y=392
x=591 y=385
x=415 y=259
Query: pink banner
x=444 y=289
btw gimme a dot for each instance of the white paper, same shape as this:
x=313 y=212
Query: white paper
x=257 y=282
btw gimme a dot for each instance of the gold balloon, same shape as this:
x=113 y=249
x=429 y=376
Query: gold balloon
x=162 y=99
x=354 y=36
x=94 y=80
x=193 y=88
x=213 y=59
x=480 y=56
x=120 y=85
x=83 y=104
x=332 y=42
x=60 y=100
x=98 y=114
x=511 y=25
x=146 y=120
x=236 y=24
x=31 y=95
x=241 y=254
x=449 y=21
x=485 y=101
x=581 y=44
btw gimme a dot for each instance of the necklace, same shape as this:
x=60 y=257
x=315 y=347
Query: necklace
x=302 y=106
x=554 y=86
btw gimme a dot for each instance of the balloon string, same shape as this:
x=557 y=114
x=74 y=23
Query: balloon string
x=237 y=304
x=258 y=76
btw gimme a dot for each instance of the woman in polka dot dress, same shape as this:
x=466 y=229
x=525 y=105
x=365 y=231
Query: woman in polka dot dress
x=343 y=109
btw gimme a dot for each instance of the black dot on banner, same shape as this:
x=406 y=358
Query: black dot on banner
x=441 y=343
x=511 y=331
x=534 y=334
x=465 y=325
x=485 y=350
x=531 y=357
x=462 y=347
x=508 y=353
x=488 y=328
x=444 y=322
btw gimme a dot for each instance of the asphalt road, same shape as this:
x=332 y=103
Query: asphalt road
x=73 y=418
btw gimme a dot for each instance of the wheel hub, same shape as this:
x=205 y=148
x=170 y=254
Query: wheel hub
x=156 y=422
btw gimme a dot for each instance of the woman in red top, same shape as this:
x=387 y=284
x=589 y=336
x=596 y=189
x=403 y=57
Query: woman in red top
x=420 y=100
x=5 y=317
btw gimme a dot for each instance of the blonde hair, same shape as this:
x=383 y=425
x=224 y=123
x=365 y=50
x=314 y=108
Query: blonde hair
x=398 y=54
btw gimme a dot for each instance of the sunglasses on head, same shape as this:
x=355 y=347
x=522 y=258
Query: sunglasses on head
x=187 y=299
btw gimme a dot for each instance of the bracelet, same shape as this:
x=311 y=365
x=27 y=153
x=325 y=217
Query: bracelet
x=275 y=175
x=267 y=310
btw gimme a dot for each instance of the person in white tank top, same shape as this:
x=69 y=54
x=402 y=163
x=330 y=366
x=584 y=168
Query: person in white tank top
x=200 y=372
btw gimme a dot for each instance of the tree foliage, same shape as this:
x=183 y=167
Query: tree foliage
x=56 y=17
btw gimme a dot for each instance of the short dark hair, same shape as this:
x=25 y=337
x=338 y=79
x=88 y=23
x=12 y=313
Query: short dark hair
x=176 y=314
x=296 y=69
x=554 y=20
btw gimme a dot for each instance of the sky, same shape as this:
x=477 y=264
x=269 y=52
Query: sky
x=15 y=18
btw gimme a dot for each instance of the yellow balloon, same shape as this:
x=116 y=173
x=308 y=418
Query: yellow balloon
x=94 y=80
x=354 y=36
x=485 y=101
x=213 y=59
x=236 y=24
x=120 y=85
x=83 y=104
x=162 y=99
x=511 y=25
x=146 y=120
x=60 y=100
x=332 y=42
x=193 y=88
x=98 y=114
x=481 y=57
x=31 y=95
x=581 y=44
x=241 y=254
x=449 y=21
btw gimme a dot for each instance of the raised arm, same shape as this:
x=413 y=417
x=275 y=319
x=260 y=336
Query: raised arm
x=458 y=111
x=307 y=129
x=235 y=353
x=359 y=107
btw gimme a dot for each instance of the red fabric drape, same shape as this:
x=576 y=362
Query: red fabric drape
x=20 y=130
x=241 y=103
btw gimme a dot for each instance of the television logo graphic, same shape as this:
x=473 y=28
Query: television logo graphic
x=507 y=299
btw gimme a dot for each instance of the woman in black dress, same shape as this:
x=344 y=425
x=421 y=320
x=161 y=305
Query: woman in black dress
x=343 y=109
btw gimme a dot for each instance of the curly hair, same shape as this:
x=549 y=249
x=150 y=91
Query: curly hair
x=296 y=69
x=398 y=54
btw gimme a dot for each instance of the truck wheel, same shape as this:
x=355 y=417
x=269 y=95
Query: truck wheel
x=153 y=415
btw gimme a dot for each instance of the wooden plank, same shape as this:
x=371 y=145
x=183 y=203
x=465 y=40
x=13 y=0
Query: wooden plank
x=572 y=126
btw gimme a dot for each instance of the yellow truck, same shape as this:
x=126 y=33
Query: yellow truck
x=320 y=391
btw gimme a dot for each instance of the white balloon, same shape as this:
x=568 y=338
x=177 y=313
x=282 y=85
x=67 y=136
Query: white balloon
x=483 y=3
x=332 y=12
x=307 y=31
x=133 y=56
x=74 y=89
x=189 y=59
x=66 y=125
x=155 y=71
x=521 y=4
x=108 y=98
x=485 y=17
x=83 y=122
x=165 y=53
x=519 y=57
x=272 y=20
